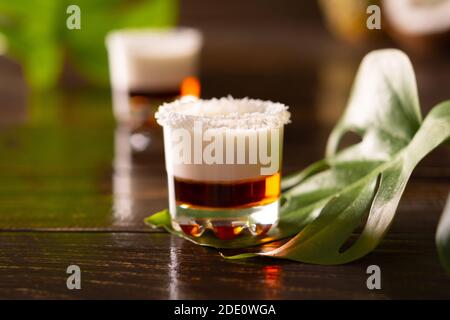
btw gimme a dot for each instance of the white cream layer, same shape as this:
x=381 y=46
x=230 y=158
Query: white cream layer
x=223 y=139
x=152 y=59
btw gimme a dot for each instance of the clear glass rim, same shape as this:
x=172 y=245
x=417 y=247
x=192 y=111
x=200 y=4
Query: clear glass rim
x=133 y=35
x=243 y=113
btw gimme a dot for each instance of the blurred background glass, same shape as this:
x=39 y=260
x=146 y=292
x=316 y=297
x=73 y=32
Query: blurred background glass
x=149 y=67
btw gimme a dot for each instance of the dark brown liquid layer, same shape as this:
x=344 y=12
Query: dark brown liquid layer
x=228 y=195
x=158 y=95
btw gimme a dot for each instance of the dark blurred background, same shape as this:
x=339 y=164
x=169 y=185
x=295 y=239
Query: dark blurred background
x=300 y=52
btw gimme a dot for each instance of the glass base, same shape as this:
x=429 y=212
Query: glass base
x=226 y=224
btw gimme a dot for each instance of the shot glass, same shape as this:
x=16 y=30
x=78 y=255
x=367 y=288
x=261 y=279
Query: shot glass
x=223 y=162
x=149 y=67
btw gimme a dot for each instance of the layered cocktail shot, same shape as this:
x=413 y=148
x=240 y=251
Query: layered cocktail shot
x=149 y=67
x=223 y=162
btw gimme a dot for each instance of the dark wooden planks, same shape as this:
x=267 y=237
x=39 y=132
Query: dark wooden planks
x=160 y=266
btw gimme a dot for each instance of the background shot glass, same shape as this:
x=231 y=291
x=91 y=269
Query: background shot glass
x=223 y=163
x=149 y=67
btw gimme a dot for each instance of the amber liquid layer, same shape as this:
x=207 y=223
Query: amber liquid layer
x=236 y=194
x=144 y=103
x=190 y=86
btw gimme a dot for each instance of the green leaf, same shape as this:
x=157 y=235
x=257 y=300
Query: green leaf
x=159 y=220
x=383 y=107
x=321 y=241
x=362 y=184
x=443 y=237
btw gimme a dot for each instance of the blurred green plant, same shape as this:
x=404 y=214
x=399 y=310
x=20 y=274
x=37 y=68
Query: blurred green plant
x=37 y=35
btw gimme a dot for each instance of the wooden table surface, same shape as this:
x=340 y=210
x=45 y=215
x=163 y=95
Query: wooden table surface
x=73 y=192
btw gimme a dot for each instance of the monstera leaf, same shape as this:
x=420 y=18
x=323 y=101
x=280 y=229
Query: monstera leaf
x=38 y=37
x=443 y=237
x=324 y=204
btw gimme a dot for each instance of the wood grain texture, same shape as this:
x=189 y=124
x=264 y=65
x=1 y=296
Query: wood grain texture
x=161 y=266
